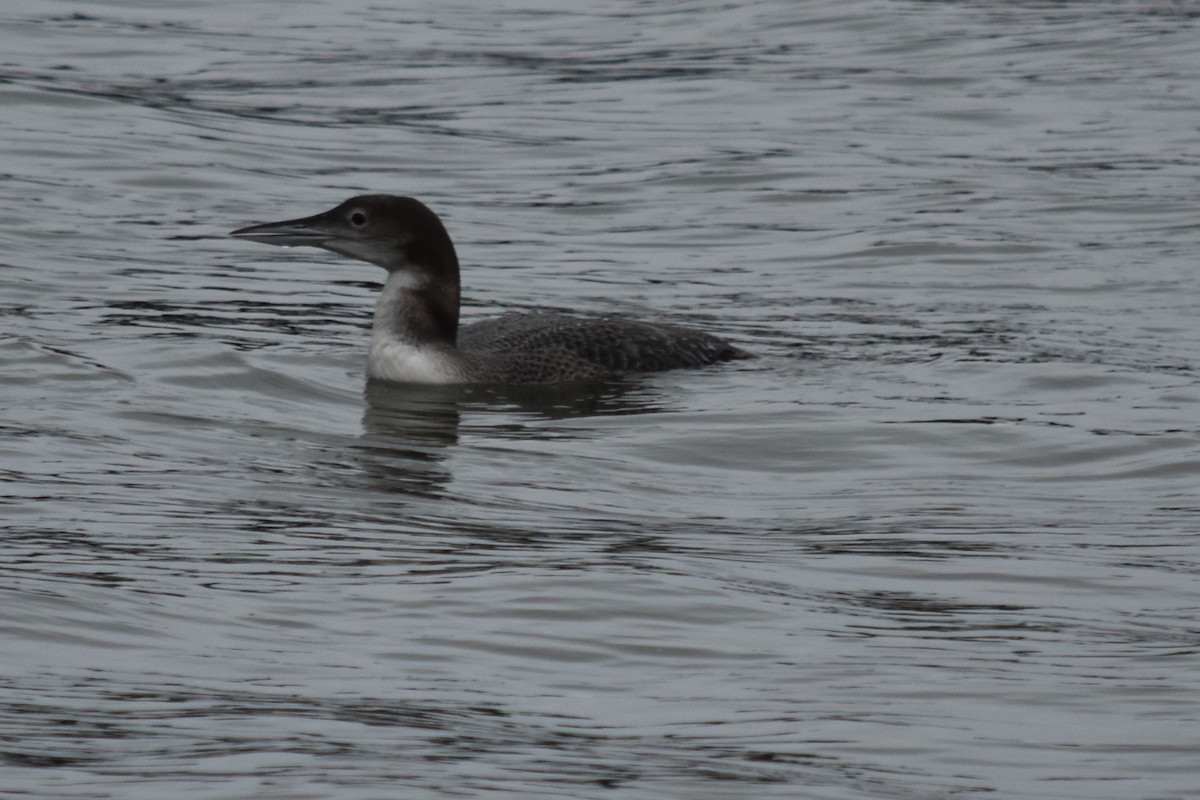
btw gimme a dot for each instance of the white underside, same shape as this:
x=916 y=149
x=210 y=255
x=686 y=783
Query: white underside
x=390 y=359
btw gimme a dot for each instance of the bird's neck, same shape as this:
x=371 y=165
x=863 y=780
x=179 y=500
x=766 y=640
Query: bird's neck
x=413 y=336
x=416 y=310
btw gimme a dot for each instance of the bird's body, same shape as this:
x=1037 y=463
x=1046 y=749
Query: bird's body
x=415 y=334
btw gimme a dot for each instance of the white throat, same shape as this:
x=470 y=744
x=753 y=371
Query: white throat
x=395 y=356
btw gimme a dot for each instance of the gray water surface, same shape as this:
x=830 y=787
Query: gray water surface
x=938 y=541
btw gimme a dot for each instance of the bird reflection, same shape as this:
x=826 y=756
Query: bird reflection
x=409 y=430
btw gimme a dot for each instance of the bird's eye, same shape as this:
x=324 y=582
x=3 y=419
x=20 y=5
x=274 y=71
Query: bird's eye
x=358 y=219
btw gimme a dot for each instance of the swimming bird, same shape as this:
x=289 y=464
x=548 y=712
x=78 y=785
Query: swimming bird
x=416 y=338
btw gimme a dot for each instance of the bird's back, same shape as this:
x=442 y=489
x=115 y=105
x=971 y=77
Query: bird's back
x=549 y=346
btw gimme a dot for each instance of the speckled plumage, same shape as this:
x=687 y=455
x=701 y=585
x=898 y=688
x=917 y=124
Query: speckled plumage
x=415 y=337
x=547 y=346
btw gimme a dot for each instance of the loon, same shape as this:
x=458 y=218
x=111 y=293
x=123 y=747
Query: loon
x=416 y=338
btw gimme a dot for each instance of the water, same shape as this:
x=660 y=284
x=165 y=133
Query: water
x=938 y=541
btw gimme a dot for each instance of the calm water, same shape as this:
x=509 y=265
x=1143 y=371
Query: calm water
x=939 y=541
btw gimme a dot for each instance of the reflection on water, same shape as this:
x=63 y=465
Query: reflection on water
x=408 y=431
x=937 y=541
